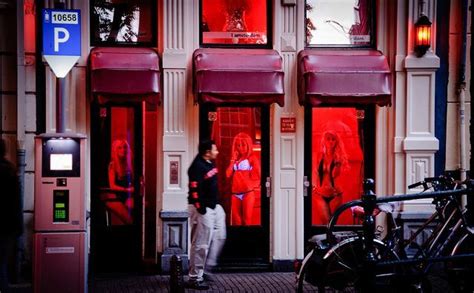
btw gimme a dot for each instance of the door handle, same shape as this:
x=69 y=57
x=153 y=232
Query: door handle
x=306 y=186
x=268 y=186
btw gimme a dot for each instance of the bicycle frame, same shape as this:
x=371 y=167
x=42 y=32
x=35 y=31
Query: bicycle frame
x=440 y=246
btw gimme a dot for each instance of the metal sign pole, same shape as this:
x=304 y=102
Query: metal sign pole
x=60 y=105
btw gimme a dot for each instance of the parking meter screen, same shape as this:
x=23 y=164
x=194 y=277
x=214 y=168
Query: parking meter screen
x=61 y=162
x=61 y=157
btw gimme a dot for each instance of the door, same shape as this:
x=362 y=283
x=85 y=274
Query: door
x=339 y=154
x=116 y=182
x=242 y=137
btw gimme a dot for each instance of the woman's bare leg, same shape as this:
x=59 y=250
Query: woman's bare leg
x=236 y=218
x=248 y=204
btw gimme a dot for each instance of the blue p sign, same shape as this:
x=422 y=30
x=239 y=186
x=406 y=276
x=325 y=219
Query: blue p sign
x=61 y=32
x=61 y=39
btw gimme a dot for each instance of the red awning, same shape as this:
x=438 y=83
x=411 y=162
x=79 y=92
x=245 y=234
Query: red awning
x=238 y=76
x=343 y=77
x=125 y=74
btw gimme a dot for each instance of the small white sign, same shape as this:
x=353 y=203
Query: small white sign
x=231 y=35
x=360 y=39
x=59 y=250
x=63 y=17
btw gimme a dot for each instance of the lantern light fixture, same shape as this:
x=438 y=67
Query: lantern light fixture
x=422 y=35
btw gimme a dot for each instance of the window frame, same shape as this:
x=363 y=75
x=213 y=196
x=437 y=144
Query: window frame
x=369 y=128
x=153 y=29
x=268 y=45
x=372 y=25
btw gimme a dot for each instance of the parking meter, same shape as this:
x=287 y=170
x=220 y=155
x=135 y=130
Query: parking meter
x=60 y=240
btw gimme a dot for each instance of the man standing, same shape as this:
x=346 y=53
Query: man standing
x=11 y=214
x=206 y=216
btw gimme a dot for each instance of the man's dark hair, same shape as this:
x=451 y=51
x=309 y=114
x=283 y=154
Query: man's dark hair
x=204 y=146
x=3 y=149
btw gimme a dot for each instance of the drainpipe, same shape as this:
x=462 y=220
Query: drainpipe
x=462 y=96
x=21 y=121
x=470 y=201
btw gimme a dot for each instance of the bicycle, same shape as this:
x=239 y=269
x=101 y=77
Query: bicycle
x=342 y=264
x=321 y=269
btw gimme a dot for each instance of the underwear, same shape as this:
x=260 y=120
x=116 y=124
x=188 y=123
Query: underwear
x=328 y=194
x=239 y=196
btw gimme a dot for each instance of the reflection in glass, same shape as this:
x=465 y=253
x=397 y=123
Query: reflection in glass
x=338 y=22
x=234 y=22
x=337 y=167
x=237 y=132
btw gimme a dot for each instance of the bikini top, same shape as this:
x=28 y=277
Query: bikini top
x=321 y=172
x=242 y=165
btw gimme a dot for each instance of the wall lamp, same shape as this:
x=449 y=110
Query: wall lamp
x=422 y=35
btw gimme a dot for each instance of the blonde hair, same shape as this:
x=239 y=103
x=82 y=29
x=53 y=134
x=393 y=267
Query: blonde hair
x=121 y=165
x=242 y=136
x=340 y=155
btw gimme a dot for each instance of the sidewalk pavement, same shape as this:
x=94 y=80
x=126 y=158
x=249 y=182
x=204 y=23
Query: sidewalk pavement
x=223 y=282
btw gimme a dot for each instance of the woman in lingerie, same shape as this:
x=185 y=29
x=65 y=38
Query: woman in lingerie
x=332 y=159
x=120 y=200
x=244 y=171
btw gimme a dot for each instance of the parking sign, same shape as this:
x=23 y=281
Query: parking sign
x=61 y=39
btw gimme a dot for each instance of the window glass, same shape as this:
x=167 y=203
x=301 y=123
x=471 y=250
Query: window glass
x=237 y=133
x=337 y=162
x=119 y=180
x=339 y=23
x=123 y=22
x=234 y=22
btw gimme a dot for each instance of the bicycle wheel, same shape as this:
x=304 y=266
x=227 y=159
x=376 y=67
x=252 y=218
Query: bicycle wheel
x=311 y=271
x=460 y=272
x=302 y=273
x=344 y=263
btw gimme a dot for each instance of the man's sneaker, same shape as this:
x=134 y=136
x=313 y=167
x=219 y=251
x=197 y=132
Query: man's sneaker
x=197 y=285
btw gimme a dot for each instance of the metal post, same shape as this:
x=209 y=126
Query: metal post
x=176 y=274
x=60 y=105
x=367 y=283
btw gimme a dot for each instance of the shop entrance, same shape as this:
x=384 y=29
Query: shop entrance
x=116 y=187
x=339 y=154
x=242 y=137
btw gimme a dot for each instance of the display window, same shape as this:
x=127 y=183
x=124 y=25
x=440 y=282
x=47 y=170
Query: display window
x=235 y=23
x=121 y=22
x=237 y=133
x=341 y=23
x=119 y=177
x=337 y=167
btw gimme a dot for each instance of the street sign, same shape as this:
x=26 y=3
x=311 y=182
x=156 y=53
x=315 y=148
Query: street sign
x=61 y=39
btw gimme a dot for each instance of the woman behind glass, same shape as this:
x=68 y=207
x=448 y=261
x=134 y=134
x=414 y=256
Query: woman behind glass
x=120 y=200
x=244 y=171
x=332 y=160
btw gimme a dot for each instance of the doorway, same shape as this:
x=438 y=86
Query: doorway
x=242 y=137
x=116 y=187
x=339 y=155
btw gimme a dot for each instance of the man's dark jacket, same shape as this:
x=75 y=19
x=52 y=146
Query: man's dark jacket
x=203 y=189
x=11 y=214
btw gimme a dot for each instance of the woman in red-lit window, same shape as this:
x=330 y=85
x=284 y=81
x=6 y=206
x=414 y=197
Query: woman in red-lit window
x=244 y=172
x=332 y=160
x=120 y=200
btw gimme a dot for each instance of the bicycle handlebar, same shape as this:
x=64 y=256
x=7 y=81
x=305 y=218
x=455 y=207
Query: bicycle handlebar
x=385 y=199
x=439 y=180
